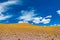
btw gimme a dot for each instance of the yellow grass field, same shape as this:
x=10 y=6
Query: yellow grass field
x=26 y=31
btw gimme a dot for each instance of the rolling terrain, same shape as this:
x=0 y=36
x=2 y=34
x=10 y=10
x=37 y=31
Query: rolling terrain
x=26 y=31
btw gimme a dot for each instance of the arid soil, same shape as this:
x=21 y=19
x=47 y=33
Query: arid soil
x=28 y=32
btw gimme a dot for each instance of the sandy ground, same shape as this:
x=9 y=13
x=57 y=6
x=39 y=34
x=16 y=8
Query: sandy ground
x=28 y=32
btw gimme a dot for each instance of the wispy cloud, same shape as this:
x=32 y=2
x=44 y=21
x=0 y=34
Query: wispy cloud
x=49 y=16
x=32 y=16
x=2 y=17
x=55 y=25
x=3 y=8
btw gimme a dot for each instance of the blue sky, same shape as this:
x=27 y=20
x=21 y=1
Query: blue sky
x=37 y=12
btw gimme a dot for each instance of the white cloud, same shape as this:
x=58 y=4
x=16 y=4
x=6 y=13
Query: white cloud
x=58 y=12
x=31 y=16
x=37 y=20
x=58 y=24
x=4 y=17
x=27 y=15
x=22 y=22
x=3 y=8
x=49 y=16
x=45 y=21
x=8 y=3
x=55 y=25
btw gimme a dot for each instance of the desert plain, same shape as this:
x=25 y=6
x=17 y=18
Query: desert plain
x=26 y=31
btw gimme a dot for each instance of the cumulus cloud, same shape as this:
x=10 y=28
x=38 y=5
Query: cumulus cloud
x=45 y=21
x=42 y=20
x=27 y=15
x=31 y=16
x=37 y=20
x=58 y=12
